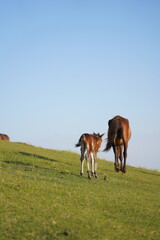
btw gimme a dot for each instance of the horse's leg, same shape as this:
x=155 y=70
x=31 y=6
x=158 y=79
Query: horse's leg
x=82 y=164
x=82 y=158
x=88 y=167
x=125 y=156
x=92 y=163
x=121 y=158
x=114 y=150
x=116 y=165
x=95 y=165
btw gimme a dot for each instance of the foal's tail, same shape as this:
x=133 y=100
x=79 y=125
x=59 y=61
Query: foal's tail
x=81 y=140
x=114 y=125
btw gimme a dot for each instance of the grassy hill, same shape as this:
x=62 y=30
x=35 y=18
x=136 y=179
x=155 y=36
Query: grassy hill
x=43 y=197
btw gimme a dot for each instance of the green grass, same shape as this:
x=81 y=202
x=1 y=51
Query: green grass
x=43 y=197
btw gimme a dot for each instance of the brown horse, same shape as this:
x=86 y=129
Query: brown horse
x=4 y=137
x=119 y=133
x=90 y=144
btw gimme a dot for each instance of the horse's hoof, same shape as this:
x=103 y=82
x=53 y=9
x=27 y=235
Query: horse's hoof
x=95 y=173
x=89 y=177
x=81 y=174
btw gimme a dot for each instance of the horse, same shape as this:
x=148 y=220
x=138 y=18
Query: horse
x=119 y=134
x=90 y=144
x=4 y=137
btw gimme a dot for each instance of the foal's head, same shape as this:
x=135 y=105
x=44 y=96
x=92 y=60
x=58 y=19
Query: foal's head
x=98 y=140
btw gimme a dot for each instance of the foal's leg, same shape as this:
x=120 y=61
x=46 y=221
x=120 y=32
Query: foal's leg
x=88 y=167
x=83 y=148
x=95 y=165
x=92 y=163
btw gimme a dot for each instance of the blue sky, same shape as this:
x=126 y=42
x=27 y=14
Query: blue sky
x=67 y=67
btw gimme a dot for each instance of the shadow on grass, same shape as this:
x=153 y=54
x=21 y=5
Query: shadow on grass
x=29 y=166
x=19 y=163
x=145 y=172
x=37 y=156
x=58 y=174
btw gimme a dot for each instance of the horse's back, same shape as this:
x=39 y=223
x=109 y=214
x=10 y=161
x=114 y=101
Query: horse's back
x=123 y=126
x=4 y=137
x=92 y=141
x=126 y=130
x=89 y=140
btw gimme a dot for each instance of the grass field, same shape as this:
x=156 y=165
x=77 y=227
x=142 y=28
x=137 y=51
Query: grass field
x=43 y=197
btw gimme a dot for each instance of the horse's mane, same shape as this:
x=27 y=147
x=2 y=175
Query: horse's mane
x=96 y=134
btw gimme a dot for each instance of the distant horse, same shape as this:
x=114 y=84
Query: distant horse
x=90 y=144
x=4 y=137
x=119 y=133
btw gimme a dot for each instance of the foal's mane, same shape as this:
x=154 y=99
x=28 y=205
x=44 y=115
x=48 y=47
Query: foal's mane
x=96 y=134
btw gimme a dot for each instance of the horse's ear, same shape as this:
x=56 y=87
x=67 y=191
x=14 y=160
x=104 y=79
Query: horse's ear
x=102 y=135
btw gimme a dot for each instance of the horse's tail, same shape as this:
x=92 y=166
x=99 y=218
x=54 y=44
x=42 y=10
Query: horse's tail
x=81 y=140
x=114 y=125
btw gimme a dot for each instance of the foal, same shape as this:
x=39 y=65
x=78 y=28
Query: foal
x=90 y=144
x=119 y=133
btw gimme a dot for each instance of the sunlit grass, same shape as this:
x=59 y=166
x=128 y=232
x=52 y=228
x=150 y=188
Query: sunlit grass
x=43 y=197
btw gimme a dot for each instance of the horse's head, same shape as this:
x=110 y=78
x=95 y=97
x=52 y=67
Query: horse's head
x=98 y=140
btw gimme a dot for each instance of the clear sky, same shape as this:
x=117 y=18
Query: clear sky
x=67 y=67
